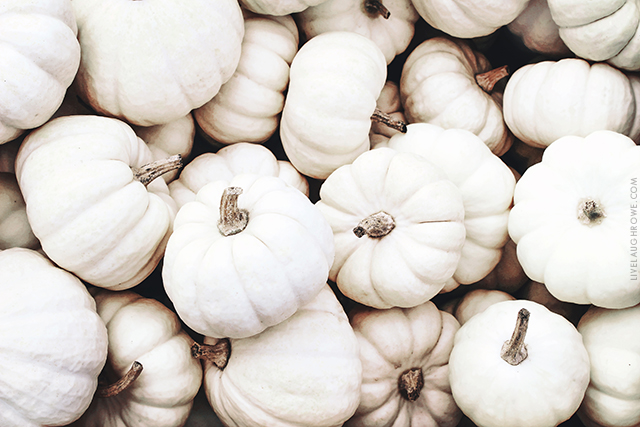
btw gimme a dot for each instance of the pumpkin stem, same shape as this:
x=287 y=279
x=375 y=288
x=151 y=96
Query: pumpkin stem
x=375 y=225
x=375 y=8
x=147 y=173
x=384 y=118
x=218 y=353
x=590 y=212
x=489 y=79
x=410 y=384
x=232 y=219
x=514 y=351
x=122 y=384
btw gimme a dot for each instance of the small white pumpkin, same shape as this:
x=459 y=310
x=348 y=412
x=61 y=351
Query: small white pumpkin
x=245 y=255
x=573 y=219
x=305 y=371
x=232 y=160
x=398 y=227
x=326 y=117
x=85 y=182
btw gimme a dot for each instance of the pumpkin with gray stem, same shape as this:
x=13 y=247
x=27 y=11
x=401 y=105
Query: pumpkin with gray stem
x=573 y=218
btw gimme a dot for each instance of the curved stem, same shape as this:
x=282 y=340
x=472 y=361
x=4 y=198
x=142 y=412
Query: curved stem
x=376 y=8
x=218 y=353
x=232 y=219
x=410 y=384
x=514 y=351
x=489 y=79
x=384 y=118
x=122 y=384
x=590 y=212
x=375 y=225
x=147 y=173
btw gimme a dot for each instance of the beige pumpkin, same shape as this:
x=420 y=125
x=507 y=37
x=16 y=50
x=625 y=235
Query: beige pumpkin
x=405 y=372
x=304 y=371
x=145 y=333
x=326 y=117
x=40 y=58
x=15 y=230
x=228 y=162
x=149 y=63
x=389 y=23
x=439 y=85
x=54 y=344
x=538 y=31
x=93 y=201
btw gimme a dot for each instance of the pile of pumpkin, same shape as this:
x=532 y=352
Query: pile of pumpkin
x=322 y=212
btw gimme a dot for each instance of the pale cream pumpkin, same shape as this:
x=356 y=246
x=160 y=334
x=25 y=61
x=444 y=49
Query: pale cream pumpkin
x=485 y=183
x=93 y=201
x=600 y=30
x=54 y=344
x=40 y=58
x=389 y=23
x=439 y=85
x=573 y=219
x=149 y=63
x=538 y=31
x=145 y=333
x=611 y=338
x=326 y=117
x=550 y=99
x=247 y=108
x=405 y=372
x=15 y=230
x=398 y=228
x=228 y=162
x=245 y=255
x=518 y=364
x=467 y=19
x=278 y=7
x=303 y=371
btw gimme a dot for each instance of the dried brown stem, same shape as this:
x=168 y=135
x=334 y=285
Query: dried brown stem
x=218 y=353
x=375 y=225
x=232 y=219
x=122 y=384
x=410 y=384
x=488 y=80
x=590 y=212
x=147 y=173
x=384 y=118
x=376 y=8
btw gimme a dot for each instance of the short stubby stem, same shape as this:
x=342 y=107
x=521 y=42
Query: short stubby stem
x=232 y=219
x=590 y=212
x=217 y=353
x=488 y=79
x=376 y=8
x=384 y=118
x=147 y=173
x=375 y=225
x=122 y=384
x=514 y=351
x=410 y=384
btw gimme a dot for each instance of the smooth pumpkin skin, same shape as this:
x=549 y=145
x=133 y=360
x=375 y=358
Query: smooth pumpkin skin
x=396 y=340
x=91 y=215
x=414 y=261
x=232 y=160
x=542 y=391
x=486 y=185
x=40 y=58
x=438 y=86
x=247 y=108
x=238 y=285
x=144 y=330
x=551 y=99
x=149 y=63
x=54 y=344
x=613 y=395
x=303 y=371
x=583 y=263
x=538 y=31
x=326 y=118
x=392 y=34
x=278 y=7
x=15 y=230
x=468 y=19
x=600 y=30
